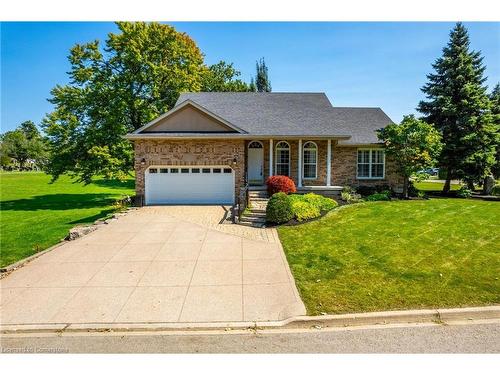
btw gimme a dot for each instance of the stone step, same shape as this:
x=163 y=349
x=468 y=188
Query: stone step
x=258 y=196
x=258 y=210
x=259 y=199
x=250 y=219
x=252 y=225
x=260 y=213
x=257 y=188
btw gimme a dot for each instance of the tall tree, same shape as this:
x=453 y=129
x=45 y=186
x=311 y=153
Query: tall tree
x=458 y=106
x=114 y=89
x=262 y=81
x=223 y=77
x=23 y=144
x=252 y=86
x=413 y=145
x=29 y=129
x=495 y=110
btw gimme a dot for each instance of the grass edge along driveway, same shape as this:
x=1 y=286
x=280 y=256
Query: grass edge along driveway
x=397 y=255
x=36 y=214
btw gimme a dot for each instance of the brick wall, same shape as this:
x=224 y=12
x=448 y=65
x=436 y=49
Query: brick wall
x=189 y=152
x=222 y=152
x=344 y=168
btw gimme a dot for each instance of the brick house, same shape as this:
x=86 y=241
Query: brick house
x=211 y=145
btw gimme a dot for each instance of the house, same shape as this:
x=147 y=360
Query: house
x=210 y=145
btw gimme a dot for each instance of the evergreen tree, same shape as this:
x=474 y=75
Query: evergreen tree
x=495 y=110
x=458 y=106
x=262 y=79
x=252 y=86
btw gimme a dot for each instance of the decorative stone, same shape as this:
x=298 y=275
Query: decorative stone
x=77 y=232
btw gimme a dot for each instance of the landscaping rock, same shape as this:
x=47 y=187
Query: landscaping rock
x=77 y=232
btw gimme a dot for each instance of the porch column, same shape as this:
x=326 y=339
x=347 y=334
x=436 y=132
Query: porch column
x=299 y=169
x=329 y=163
x=270 y=157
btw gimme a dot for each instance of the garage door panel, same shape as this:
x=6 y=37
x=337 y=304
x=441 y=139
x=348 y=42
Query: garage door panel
x=190 y=188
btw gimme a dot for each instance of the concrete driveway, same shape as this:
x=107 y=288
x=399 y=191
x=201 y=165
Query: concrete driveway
x=152 y=266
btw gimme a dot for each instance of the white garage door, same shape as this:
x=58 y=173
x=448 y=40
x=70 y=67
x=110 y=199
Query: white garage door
x=189 y=185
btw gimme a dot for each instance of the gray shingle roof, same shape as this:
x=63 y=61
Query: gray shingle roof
x=293 y=114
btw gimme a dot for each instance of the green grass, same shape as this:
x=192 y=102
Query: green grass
x=434 y=186
x=36 y=214
x=398 y=255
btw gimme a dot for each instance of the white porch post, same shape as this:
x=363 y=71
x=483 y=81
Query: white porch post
x=329 y=163
x=270 y=157
x=299 y=169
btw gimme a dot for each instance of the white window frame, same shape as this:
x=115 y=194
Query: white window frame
x=276 y=156
x=315 y=148
x=370 y=163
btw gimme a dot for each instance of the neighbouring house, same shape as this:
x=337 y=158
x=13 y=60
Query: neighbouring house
x=211 y=145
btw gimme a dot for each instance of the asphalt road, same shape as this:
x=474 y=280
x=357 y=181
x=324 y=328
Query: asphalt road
x=423 y=338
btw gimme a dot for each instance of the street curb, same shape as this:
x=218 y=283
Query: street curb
x=301 y=322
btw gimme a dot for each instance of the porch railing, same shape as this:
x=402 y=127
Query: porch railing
x=241 y=204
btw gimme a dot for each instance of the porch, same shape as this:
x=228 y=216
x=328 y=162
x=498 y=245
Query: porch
x=308 y=162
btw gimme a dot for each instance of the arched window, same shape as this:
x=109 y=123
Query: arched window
x=255 y=144
x=282 y=158
x=310 y=160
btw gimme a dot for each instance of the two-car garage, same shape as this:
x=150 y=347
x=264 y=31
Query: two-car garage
x=189 y=185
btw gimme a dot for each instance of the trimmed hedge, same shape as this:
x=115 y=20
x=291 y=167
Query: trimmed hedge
x=304 y=211
x=279 y=209
x=280 y=184
x=303 y=207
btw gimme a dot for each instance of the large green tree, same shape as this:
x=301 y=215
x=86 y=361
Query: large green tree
x=262 y=81
x=114 y=89
x=413 y=145
x=223 y=77
x=23 y=144
x=495 y=110
x=458 y=106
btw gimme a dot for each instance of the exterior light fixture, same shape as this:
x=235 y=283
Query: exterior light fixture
x=143 y=162
x=235 y=160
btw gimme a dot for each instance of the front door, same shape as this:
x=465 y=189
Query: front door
x=255 y=163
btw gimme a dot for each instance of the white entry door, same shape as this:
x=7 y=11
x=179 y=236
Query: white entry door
x=189 y=185
x=255 y=163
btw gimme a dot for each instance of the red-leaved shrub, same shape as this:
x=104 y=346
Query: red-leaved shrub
x=280 y=184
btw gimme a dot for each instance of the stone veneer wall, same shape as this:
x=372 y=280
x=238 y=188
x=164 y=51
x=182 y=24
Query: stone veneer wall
x=189 y=152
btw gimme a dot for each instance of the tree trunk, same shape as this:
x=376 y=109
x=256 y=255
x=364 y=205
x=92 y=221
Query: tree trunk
x=447 y=184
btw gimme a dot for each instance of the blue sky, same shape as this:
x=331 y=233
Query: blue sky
x=356 y=64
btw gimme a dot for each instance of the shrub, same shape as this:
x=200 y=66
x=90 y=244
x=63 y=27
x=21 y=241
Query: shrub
x=383 y=196
x=304 y=211
x=280 y=184
x=366 y=190
x=496 y=190
x=464 y=192
x=279 y=209
x=320 y=202
x=412 y=190
x=349 y=195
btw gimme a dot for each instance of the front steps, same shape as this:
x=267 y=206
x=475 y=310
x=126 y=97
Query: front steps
x=255 y=214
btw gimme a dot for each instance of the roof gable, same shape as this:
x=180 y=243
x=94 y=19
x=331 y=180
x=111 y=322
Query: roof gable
x=188 y=117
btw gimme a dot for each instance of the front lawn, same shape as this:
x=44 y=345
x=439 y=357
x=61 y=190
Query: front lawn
x=36 y=214
x=397 y=255
x=434 y=186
